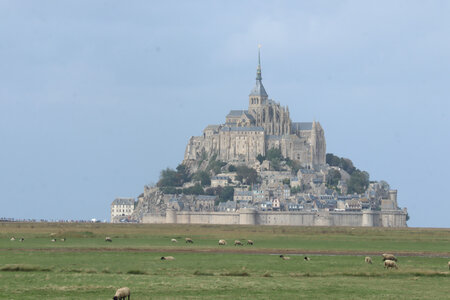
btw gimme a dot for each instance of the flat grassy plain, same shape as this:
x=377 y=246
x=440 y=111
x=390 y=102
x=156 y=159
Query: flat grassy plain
x=86 y=267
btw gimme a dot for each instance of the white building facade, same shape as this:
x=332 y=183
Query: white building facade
x=121 y=208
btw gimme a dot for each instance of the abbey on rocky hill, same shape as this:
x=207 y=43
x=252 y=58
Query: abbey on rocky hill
x=249 y=133
x=260 y=168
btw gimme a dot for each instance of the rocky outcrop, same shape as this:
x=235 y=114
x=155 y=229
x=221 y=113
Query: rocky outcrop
x=152 y=202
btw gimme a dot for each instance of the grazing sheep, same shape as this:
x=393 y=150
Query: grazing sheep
x=368 y=260
x=307 y=258
x=222 y=242
x=22 y=239
x=108 y=239
x=390 y=264
x=250 y=242
x=174 y=240
x=189 y=240
x=167 y=258
x=237 y=242
x=53 y=240
x=122 y=294
x=63 y=239
x=388 y=257
x=12 y=239
x=284 y=257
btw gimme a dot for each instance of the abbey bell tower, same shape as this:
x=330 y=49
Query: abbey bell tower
x=258 y=96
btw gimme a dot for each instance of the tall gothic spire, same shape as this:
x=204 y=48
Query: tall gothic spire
x=258 y=70
x=259 y=90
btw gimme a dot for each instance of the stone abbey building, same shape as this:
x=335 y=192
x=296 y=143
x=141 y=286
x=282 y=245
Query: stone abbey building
x=265 y=125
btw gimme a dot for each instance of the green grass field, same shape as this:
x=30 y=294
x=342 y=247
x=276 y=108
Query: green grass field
x=86 y=267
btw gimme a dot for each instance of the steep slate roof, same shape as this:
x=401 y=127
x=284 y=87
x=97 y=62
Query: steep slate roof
x=258 y=90
x=301 y=126
x=229 y=204
x=123 y=201
x=252 y=128
x=236 y=113
x=212 y=127
x=239 y=113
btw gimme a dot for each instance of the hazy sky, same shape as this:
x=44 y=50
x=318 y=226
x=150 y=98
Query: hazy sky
x=96 y=97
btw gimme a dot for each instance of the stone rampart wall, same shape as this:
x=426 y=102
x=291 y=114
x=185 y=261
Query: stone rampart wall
x=153 y=219
x=252 y=217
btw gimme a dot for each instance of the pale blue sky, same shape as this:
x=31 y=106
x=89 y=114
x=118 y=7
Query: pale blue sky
x=96 y=97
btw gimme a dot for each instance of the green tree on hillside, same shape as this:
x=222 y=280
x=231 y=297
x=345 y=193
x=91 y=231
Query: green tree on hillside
x=246 y=175
x=358 y=182
x=274 y=156
x=347 y=165
x=226 y=194
x=183 y=173
x=333 y=177
x=333 y=160
x=169 y=177
x=203 y=177
x=260 y=158
x=294 y=164
x=341 y=162
x=215 y=165
x=194 y=190
x=231 y=168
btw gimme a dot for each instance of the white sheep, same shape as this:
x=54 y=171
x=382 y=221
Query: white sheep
x=53 y=240
x=250 y=242
x=307 y=258
x=167 y=258
x=388 y=257
x=174 y=240
x=237 y=242
x=284 y=257
x=368 y=260
x=21 y=239
x=390 y=264
x=122 y=294
x=63 y=239
x=222 y=242
x=108 y=239
x=189 y=240
x=12 y=239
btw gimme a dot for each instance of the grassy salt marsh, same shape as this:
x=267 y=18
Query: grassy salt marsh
x=85 y=266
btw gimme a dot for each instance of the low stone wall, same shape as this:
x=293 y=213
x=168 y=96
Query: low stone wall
x=395 y=218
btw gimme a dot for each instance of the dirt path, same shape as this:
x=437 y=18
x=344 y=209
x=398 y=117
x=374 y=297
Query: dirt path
x=246 y=250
